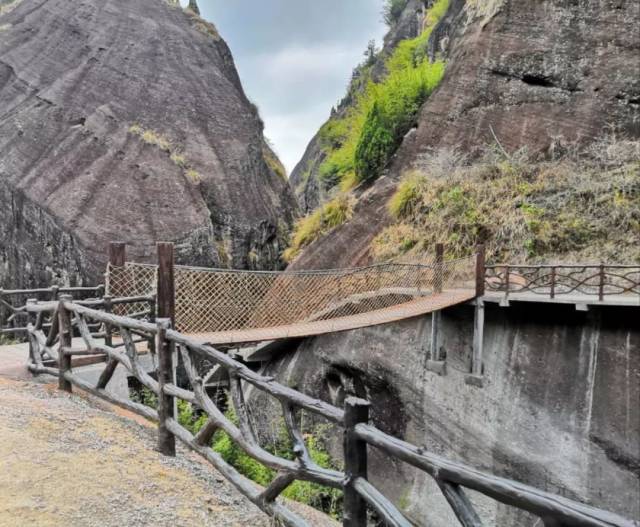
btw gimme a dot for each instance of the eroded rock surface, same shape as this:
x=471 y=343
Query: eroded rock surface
x=126 y=120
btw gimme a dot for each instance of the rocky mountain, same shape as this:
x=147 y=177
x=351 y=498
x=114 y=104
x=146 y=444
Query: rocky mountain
x=546 y=76
x=126 y=120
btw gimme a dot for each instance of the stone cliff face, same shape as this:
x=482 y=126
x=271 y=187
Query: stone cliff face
x=126 y=120
x=540 y=75
x=556 y=409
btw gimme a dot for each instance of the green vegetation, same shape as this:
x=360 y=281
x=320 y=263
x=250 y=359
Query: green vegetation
x=272 y=160
x=154 y=138
x=325 y=499
x=360 y=142
x=577 y=207
x=319 y=222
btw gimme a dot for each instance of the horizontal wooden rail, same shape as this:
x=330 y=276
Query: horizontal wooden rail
x=519 y=495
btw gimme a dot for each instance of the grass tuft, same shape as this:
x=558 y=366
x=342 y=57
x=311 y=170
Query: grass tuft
x=308 y=229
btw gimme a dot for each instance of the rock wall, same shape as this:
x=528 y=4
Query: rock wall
x=558 y=408
x=125 y=119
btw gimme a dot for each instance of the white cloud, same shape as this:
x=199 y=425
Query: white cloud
x=291 y=132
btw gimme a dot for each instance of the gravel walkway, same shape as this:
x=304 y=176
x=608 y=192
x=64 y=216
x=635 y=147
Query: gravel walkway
x=72 y=461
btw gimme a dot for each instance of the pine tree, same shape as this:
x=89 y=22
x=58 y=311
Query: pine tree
x=193 y=5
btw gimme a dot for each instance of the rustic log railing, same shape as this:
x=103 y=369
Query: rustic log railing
x=602 y=280
x=13 y=304
x=360 y=494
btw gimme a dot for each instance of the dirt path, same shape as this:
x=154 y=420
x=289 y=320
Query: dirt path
x=66 y=461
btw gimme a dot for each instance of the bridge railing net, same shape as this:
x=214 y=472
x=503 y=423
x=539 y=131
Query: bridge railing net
x=216 y=300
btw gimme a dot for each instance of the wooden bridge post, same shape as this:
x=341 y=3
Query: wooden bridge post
x=166 y=293
x=436 y=315
x=480 y=269
x=164 y=348
x=438 y=269
x=65 y=330
x=117 y=253
x=356 y=411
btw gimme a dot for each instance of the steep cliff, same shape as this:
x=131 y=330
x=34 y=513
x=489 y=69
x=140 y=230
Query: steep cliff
x=125 y=119
x=557 y=407
x=551 y=77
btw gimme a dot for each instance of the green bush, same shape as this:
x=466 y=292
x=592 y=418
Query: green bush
x=375 y=145
x=360 y=142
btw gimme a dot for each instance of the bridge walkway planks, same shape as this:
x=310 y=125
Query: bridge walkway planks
x=414 y=308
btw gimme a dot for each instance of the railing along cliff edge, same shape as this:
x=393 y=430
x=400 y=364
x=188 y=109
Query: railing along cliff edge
x=56 y=347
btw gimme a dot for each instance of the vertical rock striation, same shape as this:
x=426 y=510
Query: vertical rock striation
x=126 y=119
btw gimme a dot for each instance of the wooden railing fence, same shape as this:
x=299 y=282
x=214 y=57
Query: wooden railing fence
x=360 y=493
x=359 y=436
x=13 y=304
x=108 y=336
x=601 y=280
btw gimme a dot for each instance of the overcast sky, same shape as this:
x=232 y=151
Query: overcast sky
x=295 y=58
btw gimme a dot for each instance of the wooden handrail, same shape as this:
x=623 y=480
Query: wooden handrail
x=452 y=477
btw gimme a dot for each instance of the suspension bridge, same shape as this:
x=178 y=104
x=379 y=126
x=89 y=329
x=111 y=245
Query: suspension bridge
x=147 y=309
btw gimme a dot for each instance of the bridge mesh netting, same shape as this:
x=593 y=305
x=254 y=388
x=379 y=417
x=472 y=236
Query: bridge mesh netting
x=219 y=300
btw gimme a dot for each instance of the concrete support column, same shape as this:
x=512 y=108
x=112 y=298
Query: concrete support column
x=478 y=338
x=436 y=317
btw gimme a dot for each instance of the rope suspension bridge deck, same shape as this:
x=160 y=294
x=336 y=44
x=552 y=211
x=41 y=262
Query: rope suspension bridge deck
x=219 y=306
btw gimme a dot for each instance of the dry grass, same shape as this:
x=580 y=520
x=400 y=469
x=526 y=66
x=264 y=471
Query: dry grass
x=8 y=5
x=582 y=206
x=272 y=160
x=308 y=229
x=156 y=139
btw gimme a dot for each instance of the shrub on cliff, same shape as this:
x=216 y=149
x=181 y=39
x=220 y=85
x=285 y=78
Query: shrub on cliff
x=322 y=220
x=582 y=206
x=359 y=143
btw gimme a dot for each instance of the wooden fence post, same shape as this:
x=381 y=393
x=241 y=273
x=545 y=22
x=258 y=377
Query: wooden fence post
x=166 y=293
x=117 y=254
x=356 y=411
x=65 y=330
x=438 y=269
x=553 y=282
x=166 y=440
x=480 y=270
x=601 y=284
x=31 y=320
x=165 y=311
x=108 y=329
